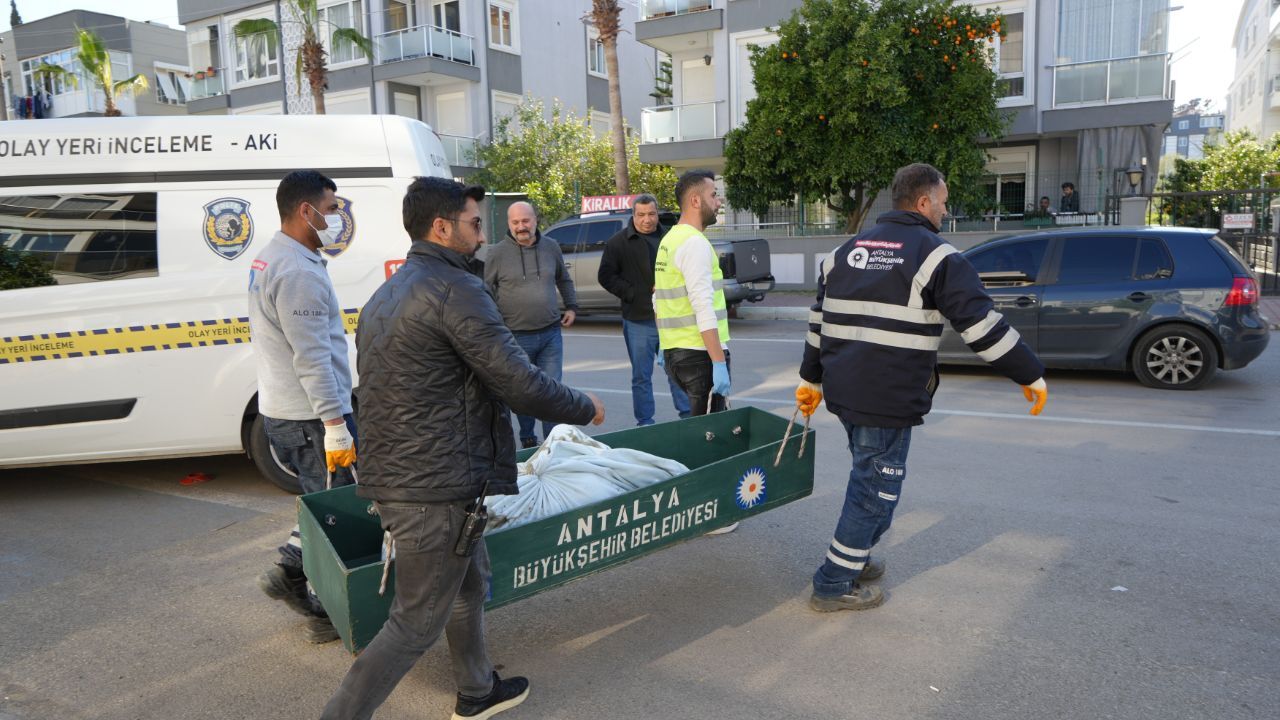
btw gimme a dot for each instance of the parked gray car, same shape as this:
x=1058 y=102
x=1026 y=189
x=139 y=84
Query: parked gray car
x=1170 y=305
x=744 y=263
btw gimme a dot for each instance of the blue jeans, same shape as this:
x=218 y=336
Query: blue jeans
x=299 y=445
x=642 y=347
x=545 y=349
x=875 y=484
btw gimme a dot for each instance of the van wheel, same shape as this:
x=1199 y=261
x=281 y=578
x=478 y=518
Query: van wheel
x=280 y=475
x=1174 y=357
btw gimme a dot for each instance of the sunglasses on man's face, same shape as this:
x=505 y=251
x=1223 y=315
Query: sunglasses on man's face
x=475 y=222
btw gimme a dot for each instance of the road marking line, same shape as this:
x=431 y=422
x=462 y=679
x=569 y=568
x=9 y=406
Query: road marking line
x=1008 y=416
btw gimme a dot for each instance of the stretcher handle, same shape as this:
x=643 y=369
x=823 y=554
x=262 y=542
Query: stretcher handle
x=786 y=435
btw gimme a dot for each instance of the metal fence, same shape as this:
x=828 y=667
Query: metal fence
x=1248 y=220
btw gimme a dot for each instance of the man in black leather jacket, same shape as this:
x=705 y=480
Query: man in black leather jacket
x=438 y=370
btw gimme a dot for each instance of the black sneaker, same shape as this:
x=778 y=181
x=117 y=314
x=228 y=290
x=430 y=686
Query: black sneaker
x=860 y=597
x=505 y=695
x=288 y=585
x=872 y=570
x=528 y=443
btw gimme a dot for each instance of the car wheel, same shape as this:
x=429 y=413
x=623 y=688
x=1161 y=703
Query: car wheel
x=1175 y=357
x=280 y=475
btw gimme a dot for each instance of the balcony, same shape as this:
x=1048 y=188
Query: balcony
x=208 y=83
x=1130 y=79
x=414 y=55
x=682 y=135
x=678 y=25
x=459 y=149
x=650 y=9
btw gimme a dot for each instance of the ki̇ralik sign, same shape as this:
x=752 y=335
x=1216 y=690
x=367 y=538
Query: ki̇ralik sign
x=605 y=203
x=1237 y=221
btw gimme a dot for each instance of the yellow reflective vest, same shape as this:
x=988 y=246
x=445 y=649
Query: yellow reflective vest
x=677 y=323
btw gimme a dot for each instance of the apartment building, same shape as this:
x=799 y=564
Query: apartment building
x=459 y=65
x=1189 y=133
x=1253 y=101
x=1086 y=83
x=156 y=51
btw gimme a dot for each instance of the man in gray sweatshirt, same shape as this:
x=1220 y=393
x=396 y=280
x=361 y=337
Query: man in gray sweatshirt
x=304 y=374
x=524 y=273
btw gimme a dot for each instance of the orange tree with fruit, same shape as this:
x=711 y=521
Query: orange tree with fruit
x=853 y=90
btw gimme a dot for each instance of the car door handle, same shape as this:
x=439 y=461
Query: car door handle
x=1024 y=301
x=568 y=265
x=1139 y=297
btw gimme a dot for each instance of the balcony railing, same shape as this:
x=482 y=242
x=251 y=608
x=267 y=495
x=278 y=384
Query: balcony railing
x=459 y=149
x=424 y=41
x=662 y=8
x=1140 y=77
x=206 y=84
x=677 y=123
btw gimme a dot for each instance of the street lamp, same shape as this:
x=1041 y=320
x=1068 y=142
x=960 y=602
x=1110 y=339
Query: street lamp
x=1134 y=174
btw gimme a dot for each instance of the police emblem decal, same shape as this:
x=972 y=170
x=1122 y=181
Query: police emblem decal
x=750 y=488
x=348 y=229
x=228 y=227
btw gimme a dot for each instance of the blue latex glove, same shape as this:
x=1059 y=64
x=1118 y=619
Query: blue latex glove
x=720 y=378
x=662 y=362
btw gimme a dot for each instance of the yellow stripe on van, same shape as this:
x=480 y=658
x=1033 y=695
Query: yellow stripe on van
x=135 y=338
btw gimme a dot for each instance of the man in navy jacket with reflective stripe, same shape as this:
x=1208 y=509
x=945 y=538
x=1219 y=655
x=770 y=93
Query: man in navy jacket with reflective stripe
x=872 y=347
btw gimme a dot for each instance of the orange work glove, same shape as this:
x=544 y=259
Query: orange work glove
x=808 y=397
x=1038 y=393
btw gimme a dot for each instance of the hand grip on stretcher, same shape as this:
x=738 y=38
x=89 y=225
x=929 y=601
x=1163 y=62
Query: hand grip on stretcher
x=786 y=435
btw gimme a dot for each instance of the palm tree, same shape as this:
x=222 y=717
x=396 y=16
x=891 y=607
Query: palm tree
x=311 y=53
x=95 y=61
x=605 y=16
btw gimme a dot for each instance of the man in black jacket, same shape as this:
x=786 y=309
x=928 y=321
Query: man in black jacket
x=626 y=270
x=438 y=369
x=874 y=333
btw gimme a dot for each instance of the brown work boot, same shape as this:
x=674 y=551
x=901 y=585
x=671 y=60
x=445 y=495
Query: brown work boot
x=872 y=570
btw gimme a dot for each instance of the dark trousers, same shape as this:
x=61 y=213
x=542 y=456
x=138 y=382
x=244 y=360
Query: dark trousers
x=436 y=591
x=691 y=370
x=299 y=445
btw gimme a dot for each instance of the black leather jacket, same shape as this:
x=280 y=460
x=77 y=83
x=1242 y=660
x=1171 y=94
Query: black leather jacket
x=438 y=369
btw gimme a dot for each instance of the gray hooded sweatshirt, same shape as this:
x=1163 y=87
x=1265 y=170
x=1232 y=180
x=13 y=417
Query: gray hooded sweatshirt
x=524 y=281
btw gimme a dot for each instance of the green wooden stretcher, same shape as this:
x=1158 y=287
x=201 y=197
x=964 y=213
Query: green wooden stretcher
x=732 y=477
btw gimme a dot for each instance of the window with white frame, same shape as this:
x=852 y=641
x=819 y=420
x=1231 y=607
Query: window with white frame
x=446 y=14
x=1211 y=122
x=1010 y=57
x=172 y=85
x=1184 y=124
x=346 y=14
x=595 y=54
x=257 y=57
x=49 y=83
x=1112 y=51
x=505 y=105
x=504 y=31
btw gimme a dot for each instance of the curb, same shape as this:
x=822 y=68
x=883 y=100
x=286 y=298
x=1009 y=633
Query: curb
x=773 y=313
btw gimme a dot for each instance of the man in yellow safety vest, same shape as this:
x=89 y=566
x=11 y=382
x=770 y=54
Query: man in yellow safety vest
x=688 y=299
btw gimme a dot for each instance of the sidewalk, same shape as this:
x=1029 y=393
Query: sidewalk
x=794 y=305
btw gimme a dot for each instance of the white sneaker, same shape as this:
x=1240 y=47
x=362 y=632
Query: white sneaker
x=724 y=530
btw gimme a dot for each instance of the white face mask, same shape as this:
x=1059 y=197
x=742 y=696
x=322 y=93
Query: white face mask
x=331 y=231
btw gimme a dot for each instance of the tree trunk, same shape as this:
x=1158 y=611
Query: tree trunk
x=856 y=209
x=111 y=110
x=313 y=66
x=622 y=178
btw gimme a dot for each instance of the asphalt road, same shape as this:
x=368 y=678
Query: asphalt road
x=1114 y=558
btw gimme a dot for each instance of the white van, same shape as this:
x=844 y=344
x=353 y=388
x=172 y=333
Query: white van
x=149 y=225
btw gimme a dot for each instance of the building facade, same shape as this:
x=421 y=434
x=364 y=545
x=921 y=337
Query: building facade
x=458 y=65
x=1253 y=102
x=1188 y=134
x=1086 y=83
x=153 y=50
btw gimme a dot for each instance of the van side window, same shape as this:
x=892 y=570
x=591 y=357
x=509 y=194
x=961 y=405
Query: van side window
x=83 y=237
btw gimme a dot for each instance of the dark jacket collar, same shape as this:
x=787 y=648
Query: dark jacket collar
x=907 y=217
x=632 y=232
x=440 y=252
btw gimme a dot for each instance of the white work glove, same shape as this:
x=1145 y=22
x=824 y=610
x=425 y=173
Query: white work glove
x=1038 y=393
x=339 y=447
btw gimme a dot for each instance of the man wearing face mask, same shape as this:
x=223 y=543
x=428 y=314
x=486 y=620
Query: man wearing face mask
x=304 y=374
